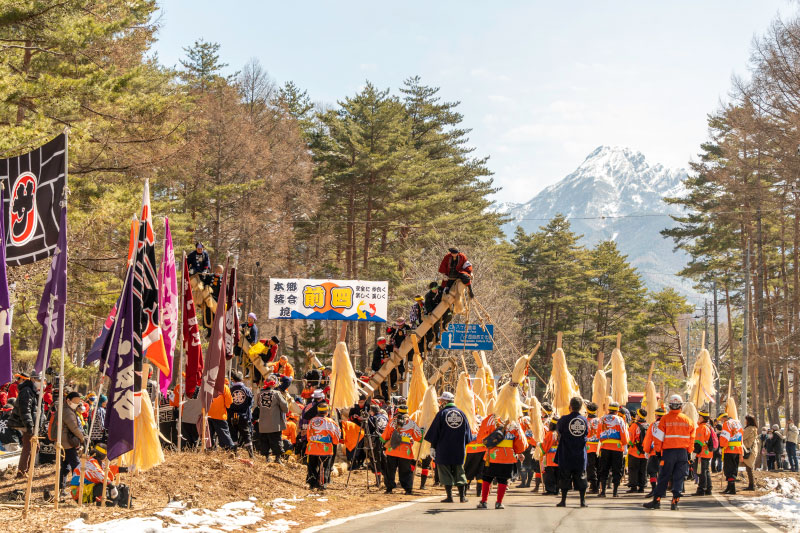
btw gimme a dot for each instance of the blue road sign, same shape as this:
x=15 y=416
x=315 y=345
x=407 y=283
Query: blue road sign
x=476 y=337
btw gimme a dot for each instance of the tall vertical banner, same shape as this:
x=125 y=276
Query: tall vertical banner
x=5 y=310
x=231 y=316
x=120 y=410
x=148 y=339
x=313 y=299
x=191 y=336
x=168 y=304
x=213 y=379
x=34 y=187
x=54 y=300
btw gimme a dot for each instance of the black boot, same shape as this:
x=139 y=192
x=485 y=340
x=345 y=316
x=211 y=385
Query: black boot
x=593 y=488
x=449 y=490
x=583 y=498
x=462 y=494
x=652 y=490
x=674 y=505
x=478 y=488
x=422 y=480
x=537 y=484
x=733 y=488
x=616 y=488
x=602 y=492
x=727 y=489
x=563 y=502
x=655 y=504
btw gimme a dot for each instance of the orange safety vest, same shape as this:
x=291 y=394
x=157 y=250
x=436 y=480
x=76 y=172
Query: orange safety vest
x=513 y=443
x=323 y=435
x=678 y=431
x=634 y=434
x=653 y=438
x=730 y=438
x=410 y=433
x=701 y=437
x=290 y=433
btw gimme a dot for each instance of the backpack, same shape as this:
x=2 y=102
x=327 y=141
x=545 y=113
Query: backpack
x=713 y=441
x=495 y=437
x=396 y=439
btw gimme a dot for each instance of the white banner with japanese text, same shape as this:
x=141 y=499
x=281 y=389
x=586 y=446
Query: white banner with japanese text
x=316 y=299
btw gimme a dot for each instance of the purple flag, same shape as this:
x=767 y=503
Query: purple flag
x=120 y=410
x=213 y=381
x=100 y=346
x=168 y=304
x=54 y=300
x=5 y=311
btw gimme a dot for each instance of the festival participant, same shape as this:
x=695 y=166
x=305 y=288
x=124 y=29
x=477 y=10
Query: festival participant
x=323 y=436
x=549 y=464
x=473 y=464
x=652 y=447
x=417 y=312
x=637 y=459
x=613 y=437
x=218 y=418
x=676 y=435
x=449 y=435
x=72 y=436
x=23 y=417
x=399 y=436
x=270 y=411
x=730 y=441
x=93 y=475
x=239 y=414
x=503 y=440
x=573 y=431
x=397 y=335
x=592 y=447
x=376 y=424
x=704 y=445
x=284 y=370
x=525 y=465
x=250 y=329
x=19 y=379
x=10 y=438
x=380 y=355
x=289 y=435
x=352 y=435
x=198 y=261
x=456 y=266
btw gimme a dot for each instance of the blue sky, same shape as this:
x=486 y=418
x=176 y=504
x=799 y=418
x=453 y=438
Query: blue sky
x=541 y=83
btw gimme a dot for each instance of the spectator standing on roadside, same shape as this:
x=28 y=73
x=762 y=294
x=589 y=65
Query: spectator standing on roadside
x=791 y=444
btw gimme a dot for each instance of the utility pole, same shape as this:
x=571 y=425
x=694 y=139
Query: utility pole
x=716 y=343
x=746 y=328
x=705 y=325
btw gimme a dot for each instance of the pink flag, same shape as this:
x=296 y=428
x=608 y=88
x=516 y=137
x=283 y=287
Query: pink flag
x=168 y=304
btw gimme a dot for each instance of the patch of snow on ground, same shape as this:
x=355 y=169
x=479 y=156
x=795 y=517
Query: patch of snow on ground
x=323 y=513
x=782 y=504
x=280 y=525
x=282 y=505
x=230 y=517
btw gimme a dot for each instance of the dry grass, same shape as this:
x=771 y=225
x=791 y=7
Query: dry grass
x=205 y=481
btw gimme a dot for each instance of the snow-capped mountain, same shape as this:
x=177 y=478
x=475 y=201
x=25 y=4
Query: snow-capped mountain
x=615 y=194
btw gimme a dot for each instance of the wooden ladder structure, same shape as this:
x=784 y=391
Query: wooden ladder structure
x=408 y=344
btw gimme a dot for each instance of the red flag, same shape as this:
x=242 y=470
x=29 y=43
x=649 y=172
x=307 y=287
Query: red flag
x=191 y=336
x=214 y=372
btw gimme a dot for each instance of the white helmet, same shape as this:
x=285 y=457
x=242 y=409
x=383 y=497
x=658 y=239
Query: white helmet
x=675 y=402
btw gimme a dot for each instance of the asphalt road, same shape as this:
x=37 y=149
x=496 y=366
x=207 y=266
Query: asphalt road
x=537 y=513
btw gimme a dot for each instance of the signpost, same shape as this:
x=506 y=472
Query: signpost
x=476 y=337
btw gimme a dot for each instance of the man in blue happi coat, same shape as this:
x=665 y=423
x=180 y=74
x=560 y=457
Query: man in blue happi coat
x=573 y=432
x=449 y=435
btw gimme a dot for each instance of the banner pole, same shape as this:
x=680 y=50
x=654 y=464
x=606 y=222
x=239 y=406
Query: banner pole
x=63 y=336
x=35 y=436
x=182 y=384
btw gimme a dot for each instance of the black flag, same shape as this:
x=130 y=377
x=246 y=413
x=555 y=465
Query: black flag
x=34 y=188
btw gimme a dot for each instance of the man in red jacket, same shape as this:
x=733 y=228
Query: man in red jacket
x=456 y=266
